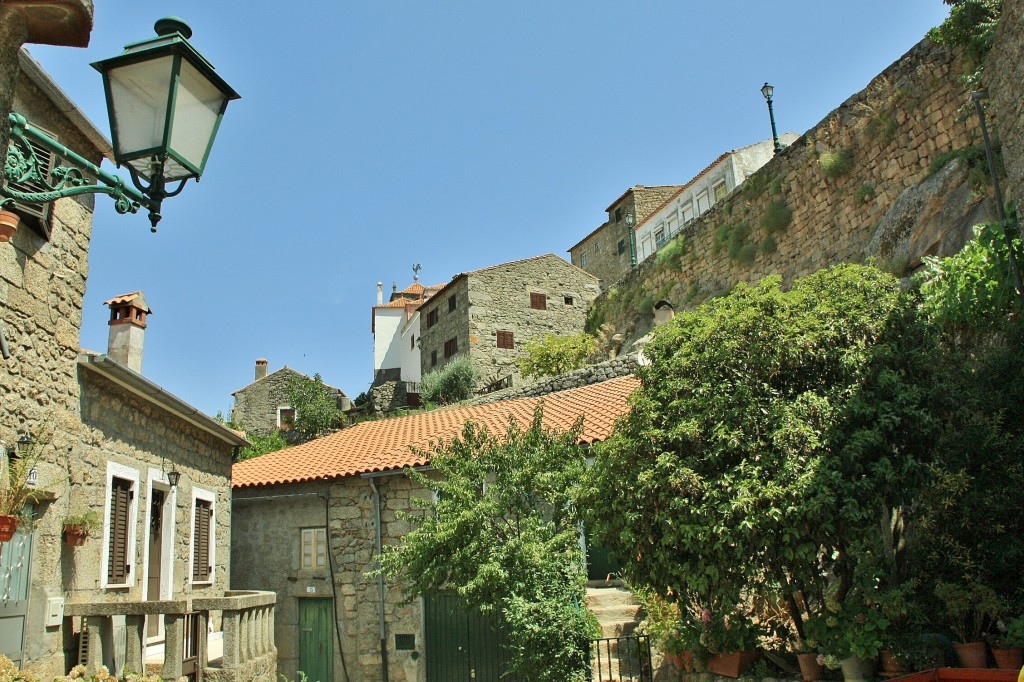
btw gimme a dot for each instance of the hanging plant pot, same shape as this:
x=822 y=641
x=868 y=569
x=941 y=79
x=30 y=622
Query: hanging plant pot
x=810 y=669
x=8 y=225
x=8 y=525
x=1009 y=659
x=971 y=654
x=75 y=535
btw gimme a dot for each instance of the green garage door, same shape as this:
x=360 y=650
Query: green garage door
x=461 y=643
x=316 y=639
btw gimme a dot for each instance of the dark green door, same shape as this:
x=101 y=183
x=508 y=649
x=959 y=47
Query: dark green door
x=316 y=641
x=461 y=644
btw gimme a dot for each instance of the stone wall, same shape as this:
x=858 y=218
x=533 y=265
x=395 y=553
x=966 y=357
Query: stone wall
x=1005 y=73
x=256 y=405
x=792 y=217
x=267 y=523
x=592 y=374
x=498 y=299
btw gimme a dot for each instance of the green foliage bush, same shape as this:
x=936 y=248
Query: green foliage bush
x=261 y=445
x=316 y=409
x=777 y=217
x=769 y=245
x=672 y=253
x=836 y=162
x=864 y=193
x=971 y=25
x=503 y=533
x=554 y=354
x=754 y=186
x=451 y=383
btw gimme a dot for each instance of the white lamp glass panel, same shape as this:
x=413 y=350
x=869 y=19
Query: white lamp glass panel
x=139 y=94
x=196 y=108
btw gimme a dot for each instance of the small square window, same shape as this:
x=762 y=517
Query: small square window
x=568 y=300
x=505 y=340
x=451 y=304
x=538 y=301
x=314 y=548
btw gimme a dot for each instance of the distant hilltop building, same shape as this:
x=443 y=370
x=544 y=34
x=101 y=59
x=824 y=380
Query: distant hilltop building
x=263 y=406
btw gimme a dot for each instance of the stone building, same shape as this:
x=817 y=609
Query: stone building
x=605 y=252
x=489 y=314
x=319 y=512
x=108 y=441
x=707 y=188
x=263 y=406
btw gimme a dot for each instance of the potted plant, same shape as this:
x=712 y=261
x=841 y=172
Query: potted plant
x=77 y=527
x=731 y=640
x=16 y=494
x=1008 y=645
x=8 y=224
x=970 y=610
x=810 y=667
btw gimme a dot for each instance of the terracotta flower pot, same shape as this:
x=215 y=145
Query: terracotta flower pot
x=686 y=658
x=971 y=654
x=810 y=669
x=731 y=665
x=8 y=225
x=857 y=669
x=1009 y=659
x=891 y=666
x=8 y=525
x=75 y=535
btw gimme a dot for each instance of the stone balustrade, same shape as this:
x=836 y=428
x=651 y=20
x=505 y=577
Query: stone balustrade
x=247 y=619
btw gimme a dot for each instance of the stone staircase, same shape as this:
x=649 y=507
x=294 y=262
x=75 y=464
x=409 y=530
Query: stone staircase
x=618 y=612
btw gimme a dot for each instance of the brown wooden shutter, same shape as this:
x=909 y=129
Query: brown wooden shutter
x=37 y=215
x=538 y=301
x=118 y=567
x=506 y=340
x=201 y=568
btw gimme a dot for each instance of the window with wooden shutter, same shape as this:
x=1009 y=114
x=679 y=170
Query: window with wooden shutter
x=451 y=347
x=431 y=318
x=505 y=340
x=118 y=566
x=201 y=568
x=538 y=301
x=37 y=215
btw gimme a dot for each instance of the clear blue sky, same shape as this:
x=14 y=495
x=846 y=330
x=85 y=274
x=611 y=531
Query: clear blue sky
x=456 y=134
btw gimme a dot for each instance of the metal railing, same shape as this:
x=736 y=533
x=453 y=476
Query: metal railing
x=621 y=659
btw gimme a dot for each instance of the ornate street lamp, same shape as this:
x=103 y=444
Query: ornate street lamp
x=165 y=104
x=632 y=240
x=767 y=91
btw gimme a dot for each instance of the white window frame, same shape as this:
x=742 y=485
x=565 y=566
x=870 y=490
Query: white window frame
x=583 y=259
x=283 y=407
x=714 y=190
x=211 y=497
x=313 y=555
x=671 y=225
x=687 y=212
x=703 y=202
x=115 y=470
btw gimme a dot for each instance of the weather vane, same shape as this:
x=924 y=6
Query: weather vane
x=416 y=267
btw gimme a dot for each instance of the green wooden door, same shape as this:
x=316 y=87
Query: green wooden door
x=316 y=639
x=462 y=644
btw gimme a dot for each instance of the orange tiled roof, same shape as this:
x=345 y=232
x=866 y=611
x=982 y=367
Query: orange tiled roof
x=385 y=444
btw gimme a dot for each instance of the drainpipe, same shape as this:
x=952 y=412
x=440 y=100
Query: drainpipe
x=380 y=586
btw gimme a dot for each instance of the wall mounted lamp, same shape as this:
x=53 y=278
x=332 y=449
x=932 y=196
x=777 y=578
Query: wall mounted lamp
x=165 y=103
x=173 y=476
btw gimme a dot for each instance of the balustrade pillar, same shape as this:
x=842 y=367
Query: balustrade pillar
x=174 y=635
x=135 y=632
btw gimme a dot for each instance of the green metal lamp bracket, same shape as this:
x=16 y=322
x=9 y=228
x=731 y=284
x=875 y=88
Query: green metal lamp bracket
x=22 y=165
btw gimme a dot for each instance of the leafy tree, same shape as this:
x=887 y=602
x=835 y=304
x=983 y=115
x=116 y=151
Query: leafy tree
x=774 y=434
x=450 y=384
x=972 y=25
x=503 y=533
x=316 y=409
x=555 y=354
x=262 y=444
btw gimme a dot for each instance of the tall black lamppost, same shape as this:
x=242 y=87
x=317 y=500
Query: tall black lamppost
x=632 y=240
x=767 y=91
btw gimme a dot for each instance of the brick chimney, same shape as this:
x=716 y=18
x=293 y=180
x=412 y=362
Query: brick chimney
x=127 y=329
x=261 y=368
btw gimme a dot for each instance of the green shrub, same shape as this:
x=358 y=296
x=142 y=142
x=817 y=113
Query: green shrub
x=777 y=217
x=864 y=193
x=595 y=318
x=769 y=245
x=776 y=187
x=881 y=126
x=972 y=156
x=836 y=162
x=747 y=253
x=450 y=384
x=555 y=354
x=646 y=306
x=754 y=186
x=673 y=252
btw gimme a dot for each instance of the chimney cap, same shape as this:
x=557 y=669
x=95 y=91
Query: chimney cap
x=261 y=361
x=134 y=298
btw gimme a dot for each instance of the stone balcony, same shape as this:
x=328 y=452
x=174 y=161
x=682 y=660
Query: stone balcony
x=247 y=619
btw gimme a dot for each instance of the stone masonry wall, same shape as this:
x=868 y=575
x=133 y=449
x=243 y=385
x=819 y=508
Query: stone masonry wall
x=890 y=131
x=256 y=404
x=451 y=324
x=1005 y=73
x=577 y=378
x=500 y=301
x=269 y=528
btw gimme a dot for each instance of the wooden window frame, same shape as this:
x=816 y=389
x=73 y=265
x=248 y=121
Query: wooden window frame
x=538 y=301
x=281 y=424
x=203 y=499
x=431 y=318
x=506 y=340
x=109 y=577
x=451 y=347
x=313 y=544
x=433 y=358
x=714 y=190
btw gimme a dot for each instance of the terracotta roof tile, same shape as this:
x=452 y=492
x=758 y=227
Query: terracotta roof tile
x=385 y=444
